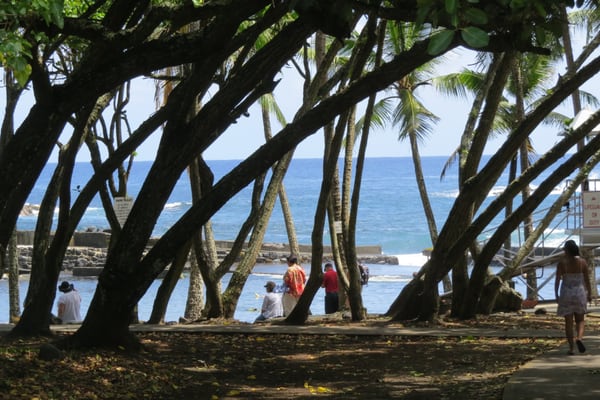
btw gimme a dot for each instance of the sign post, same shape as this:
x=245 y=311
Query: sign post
x=591 y=209
x=122 y=207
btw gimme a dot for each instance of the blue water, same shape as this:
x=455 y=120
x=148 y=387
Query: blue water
x=390 y=215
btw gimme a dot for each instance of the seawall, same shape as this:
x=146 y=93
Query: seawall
x=86 y=253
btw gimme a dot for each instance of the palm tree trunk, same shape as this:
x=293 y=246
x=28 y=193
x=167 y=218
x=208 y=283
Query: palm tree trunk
x=161 y=301
x=283 y=199
x=195 y=300
x=244 y=267
x=13 y=280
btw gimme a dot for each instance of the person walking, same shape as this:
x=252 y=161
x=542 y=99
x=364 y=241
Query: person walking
x=330 y=283
x=69 y=304
x=573 y=280
x=294 y=280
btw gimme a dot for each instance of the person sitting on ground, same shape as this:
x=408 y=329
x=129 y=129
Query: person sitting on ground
x=271 y=306
x=330 y=283
x=572 y=276
x=69 y=304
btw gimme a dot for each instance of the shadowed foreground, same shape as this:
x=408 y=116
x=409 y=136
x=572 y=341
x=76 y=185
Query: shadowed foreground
x=188 y=365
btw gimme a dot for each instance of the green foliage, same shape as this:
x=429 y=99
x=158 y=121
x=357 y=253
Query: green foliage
x=424 y=8
x=451 y=6
x=14 y=47
x=440 y=42
x=475 y=16
x=534 y=19
x=474 y=36
x=50 y=10
x=335 y=18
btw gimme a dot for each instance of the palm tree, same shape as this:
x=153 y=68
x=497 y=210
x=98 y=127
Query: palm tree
x=414 y=121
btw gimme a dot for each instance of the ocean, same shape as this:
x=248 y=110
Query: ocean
x=390 y=215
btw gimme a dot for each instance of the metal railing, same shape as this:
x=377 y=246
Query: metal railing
x=569 y=220
x=543 y=248
x=546 y=250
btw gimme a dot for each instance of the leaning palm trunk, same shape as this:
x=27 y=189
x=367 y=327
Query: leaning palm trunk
x=13 y=280
x=266 y=104
x=300 y=313
x=517 y=77
x=244 y=267
x=351 y=198
x=159 y=308
x=205 y=250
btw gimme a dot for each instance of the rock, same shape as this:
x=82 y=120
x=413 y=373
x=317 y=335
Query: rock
x=82 y=262
x=508 y=299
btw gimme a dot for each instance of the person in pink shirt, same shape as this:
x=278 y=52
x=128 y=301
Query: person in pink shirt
x=330 y=283
x=294 y=280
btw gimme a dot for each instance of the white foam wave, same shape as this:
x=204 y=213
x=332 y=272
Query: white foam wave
x=451 y=194
x=389 y=278
x=268 y=275
x=176 y=204
x=498 y=190
x=411 y=260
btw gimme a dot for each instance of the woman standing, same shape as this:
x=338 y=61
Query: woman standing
x=575 y=293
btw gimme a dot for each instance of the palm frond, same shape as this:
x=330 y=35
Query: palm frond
x=268 y=101
x=557 y=120
x=458 y=84
x=382 y=113
x=588 y=99
x=449 y=162
x=413 y=117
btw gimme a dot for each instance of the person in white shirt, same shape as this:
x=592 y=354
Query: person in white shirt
x=69 y=304
x=272 y=306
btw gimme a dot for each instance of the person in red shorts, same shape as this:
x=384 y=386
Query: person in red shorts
x=330 y=283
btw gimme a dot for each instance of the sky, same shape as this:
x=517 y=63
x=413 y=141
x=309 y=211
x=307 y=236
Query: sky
x=245 y=136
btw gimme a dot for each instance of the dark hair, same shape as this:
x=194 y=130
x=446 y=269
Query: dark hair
x=66 y=287
x=328 y=265
x=571 y=248
x=270 y=286
x=292 y=260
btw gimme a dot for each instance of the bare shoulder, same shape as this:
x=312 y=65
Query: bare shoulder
x=582 y=262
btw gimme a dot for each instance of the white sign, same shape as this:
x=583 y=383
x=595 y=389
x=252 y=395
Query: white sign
x=337 y=225
x=591 y=209
x=122 y=207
